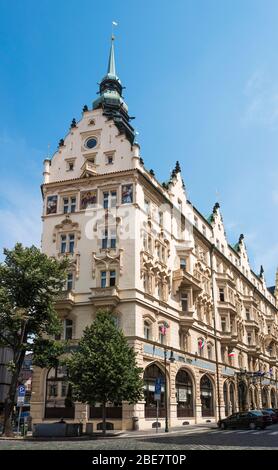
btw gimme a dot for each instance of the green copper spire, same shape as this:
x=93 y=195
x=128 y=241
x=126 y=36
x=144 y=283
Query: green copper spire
x=111 y=100
x=111 y=63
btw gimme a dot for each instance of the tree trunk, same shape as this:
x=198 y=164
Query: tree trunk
x=103 y=419
x=10 y=400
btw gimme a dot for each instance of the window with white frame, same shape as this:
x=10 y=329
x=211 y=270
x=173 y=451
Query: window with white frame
x=68 y=329
x=69 y=281
x=221 y=294
x=107 y=278
x=147 y=330
x=184 y=301
x=183 y=264
x=109 y=239
x=223 y=324
x=109 y=199
x=69 y=204
x=67 y=242
x=147 y=206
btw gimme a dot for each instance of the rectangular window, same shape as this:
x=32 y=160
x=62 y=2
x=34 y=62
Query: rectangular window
x=113 y=239
x=127 y=194
x=73 y=204
x=109 y=199
x=146 y=330
x=183 y=264
x=145 y=241
x=63 y=247
x=204 y=230
x=105 y=200
x=196 y=221
x=69 y=281
x=108 y=239
x=71 y=243
x=223 y=324
x=160 y=218
x=69 y=204
x=112 y=278
x=147 y=206
x=68 y=329
x=184 y=302
x=221 y=295
x=103 y=279
x=249 y=338
x=104 y=243
x=247 y=312
x=66 y=204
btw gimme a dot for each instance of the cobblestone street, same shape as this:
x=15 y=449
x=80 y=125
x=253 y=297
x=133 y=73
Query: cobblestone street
x=196 y=438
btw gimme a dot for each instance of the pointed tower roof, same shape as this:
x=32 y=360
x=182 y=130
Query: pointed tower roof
x=111 y=70
x=111 y=100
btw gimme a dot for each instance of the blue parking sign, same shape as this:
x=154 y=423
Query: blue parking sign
x=21 y=391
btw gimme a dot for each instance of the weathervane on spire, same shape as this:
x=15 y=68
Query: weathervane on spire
x=114 y=23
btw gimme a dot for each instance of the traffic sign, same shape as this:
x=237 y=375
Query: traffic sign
x=20 y=401
x=21 y=390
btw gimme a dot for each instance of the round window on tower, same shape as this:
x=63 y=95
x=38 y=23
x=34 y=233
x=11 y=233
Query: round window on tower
x=91 y=143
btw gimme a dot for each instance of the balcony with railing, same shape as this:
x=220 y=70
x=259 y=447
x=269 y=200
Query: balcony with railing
x=105 y=296
x=65 y=300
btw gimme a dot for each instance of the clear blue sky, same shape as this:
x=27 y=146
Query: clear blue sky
x=202 y=81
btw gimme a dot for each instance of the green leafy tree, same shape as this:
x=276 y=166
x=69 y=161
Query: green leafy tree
x=103 y=369
x=30 y=283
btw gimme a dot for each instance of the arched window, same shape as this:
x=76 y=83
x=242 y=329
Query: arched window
x=184 y=393
x=207 y=400
x=58 y=403
x=147 y=329
x=151 y=375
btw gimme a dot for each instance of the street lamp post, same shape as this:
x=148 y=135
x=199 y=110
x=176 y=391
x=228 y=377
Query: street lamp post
x=171 y=359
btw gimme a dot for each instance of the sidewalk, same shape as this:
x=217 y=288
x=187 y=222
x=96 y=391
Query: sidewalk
x=173 y=430
x=118 y=434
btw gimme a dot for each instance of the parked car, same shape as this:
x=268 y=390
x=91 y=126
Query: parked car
x=246 y=419
x=273 y=413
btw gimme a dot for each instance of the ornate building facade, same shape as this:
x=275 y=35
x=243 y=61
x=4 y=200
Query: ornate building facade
x=197 y=315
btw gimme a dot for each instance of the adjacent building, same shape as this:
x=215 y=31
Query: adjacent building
x=184 y=297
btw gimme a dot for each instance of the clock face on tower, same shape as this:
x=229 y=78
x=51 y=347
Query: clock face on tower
x=91 y=142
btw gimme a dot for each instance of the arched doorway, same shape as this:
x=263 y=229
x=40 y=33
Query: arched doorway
x=242 y=396
x=264 y=398
x=184 y=394
x=58 y=401
x=206 y=394
x=272 y=398
x=153 y=372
